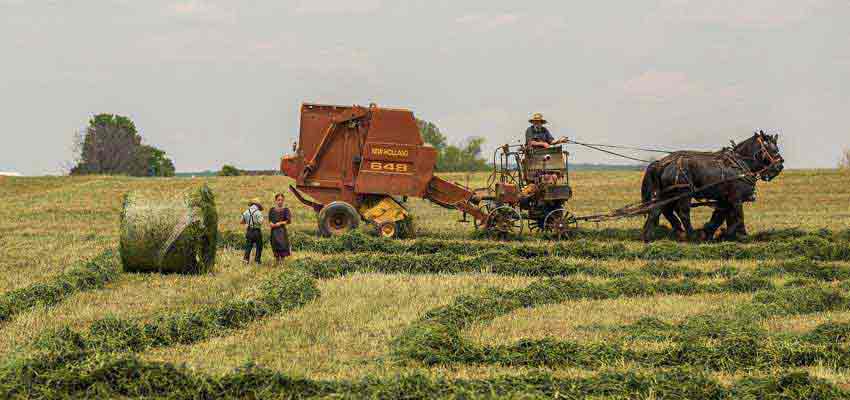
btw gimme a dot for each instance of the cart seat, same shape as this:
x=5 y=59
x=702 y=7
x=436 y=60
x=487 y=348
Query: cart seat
x=550 y=159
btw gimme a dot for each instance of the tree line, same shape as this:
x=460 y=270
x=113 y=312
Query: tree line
x=112 y=145
x=452 y=158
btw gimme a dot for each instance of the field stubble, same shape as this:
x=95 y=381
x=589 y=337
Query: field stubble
x=349 y=330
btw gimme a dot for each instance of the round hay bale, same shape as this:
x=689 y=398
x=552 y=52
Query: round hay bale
x=169 y=233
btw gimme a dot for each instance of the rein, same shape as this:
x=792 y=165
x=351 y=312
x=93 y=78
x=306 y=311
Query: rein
x=751 y=176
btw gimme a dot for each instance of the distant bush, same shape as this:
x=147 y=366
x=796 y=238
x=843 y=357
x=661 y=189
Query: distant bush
x=229 y=170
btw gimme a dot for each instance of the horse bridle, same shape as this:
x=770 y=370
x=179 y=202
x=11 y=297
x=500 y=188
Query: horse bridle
x=762 y=155
x=772 y=161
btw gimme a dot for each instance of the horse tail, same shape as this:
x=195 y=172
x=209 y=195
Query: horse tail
x=650 y=184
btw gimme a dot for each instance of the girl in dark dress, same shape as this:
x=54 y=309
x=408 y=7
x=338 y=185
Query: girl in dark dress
x=279 y=217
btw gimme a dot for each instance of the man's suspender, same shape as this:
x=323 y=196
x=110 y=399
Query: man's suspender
x=251 y=219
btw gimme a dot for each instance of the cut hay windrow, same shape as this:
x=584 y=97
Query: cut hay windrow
x=746 y=318
x=285 y=291
x=86 y=275
x=806 y=268
x=814 y=247
x=745 y=322
x=503 y=263
x=495 y=262
x=727 y=354
x=769 y=235
x=171 y=233
x=90 y=375
x=437 y=337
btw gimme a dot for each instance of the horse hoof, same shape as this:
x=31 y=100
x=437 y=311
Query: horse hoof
x=682 y=236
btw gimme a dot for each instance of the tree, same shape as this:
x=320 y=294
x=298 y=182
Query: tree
x=472 y=160
x=845 y=160
x=431 y=134
x=151 y=161
x=229 y=170
x=112 y=145
x=451 y=158
x=107 y=146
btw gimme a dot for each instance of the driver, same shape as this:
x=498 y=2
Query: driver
x=538 y=136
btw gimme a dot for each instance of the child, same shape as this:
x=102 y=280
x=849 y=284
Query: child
x=279 y=217
x=253 y=217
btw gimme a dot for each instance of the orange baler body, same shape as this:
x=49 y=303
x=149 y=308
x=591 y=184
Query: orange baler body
x=350 y=152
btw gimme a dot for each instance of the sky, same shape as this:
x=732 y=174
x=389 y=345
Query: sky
x=220 y=82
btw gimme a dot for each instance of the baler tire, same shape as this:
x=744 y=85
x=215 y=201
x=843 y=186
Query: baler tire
x=387 y=230
x=338 y=218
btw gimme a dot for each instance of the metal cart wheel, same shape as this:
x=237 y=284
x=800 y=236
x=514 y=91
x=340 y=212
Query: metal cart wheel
x=559 y=224
x=504 y=222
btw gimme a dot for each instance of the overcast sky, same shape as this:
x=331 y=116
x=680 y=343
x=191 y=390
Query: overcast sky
x=215 y=82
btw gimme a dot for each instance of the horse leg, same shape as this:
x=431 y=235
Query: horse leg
x=670 y=215
x=720 y=215
x=683 y=210
x=741 y=229
x=647 y=234
x=734 y=220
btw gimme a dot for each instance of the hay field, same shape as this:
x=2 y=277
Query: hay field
x=442 y=315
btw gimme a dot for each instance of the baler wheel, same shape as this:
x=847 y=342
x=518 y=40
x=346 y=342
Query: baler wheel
x=337 y=218
x=387 y=230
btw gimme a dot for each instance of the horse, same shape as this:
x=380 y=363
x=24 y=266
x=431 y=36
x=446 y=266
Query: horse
x=725 y=178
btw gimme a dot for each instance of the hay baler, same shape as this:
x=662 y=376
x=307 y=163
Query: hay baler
x=356 y=162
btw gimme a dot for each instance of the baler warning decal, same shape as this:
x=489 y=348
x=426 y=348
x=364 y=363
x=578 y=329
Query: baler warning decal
x=389 y=167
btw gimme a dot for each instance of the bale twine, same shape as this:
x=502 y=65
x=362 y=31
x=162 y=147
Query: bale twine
x=169 y=233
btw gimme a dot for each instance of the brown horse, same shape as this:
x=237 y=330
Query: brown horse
x=726 y=179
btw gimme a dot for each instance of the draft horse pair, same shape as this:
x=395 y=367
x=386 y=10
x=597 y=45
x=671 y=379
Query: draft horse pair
x=723 y=179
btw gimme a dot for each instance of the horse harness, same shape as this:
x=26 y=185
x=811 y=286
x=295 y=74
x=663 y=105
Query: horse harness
x=725 y=158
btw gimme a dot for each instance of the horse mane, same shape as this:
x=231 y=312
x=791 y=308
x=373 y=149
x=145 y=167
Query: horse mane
x=742 y=144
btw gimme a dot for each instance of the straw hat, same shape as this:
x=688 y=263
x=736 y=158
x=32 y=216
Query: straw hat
x=255 y=201
x=537 y=117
